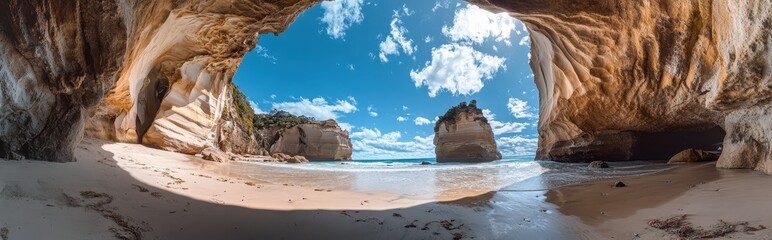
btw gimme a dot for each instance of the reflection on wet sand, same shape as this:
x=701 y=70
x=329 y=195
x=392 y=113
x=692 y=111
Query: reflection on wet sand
x=598 y=201
x=504 y=199
x=452 y=185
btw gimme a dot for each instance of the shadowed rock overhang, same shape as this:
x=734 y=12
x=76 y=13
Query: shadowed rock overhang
x=617 y=80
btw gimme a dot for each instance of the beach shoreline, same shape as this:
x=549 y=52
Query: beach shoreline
x=700 y=192
x=128 y=190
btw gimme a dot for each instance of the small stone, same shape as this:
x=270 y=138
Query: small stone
x=598 y=164
x=620 y=184
x=426 y=163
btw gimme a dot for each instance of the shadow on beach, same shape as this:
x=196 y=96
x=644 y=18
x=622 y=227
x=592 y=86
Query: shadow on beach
x=98 y=197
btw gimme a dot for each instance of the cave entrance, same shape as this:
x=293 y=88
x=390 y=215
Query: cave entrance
x=664 y=145
x=386 y=71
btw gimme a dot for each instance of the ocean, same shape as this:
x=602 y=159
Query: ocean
x=438 y=181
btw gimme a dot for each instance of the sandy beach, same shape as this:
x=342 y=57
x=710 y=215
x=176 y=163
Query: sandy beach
x=704 y=194
x=129 y=191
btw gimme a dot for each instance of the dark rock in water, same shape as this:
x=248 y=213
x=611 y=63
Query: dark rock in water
x=426 y=163
x=694 y=155
x=214 y=154
x=598 y=164
x=620 y=184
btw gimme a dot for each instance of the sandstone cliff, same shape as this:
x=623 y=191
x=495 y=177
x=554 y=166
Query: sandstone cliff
x=464 y=135
x=315 y=141
x=618 y=79
x=155 y=72
x=622 y=80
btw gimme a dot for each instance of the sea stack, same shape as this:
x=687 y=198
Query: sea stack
x=464 y=135
x=317 y=141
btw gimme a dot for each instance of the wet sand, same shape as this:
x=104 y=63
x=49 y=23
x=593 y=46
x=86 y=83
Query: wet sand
x=128 y=190
x=700 y=191
x=135 y=192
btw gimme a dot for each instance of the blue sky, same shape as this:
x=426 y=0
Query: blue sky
x=385 y=70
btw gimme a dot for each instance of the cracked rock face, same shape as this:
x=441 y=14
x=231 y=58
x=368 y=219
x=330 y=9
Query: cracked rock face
x=315 y=141
x=154 y=72
x=464 y=135
x=625 y=80
x=618 y=79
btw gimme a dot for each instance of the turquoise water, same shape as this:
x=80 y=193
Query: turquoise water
x=408 y=178
x=406 y=164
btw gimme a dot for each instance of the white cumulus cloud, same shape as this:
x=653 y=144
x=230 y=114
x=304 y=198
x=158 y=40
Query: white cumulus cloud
x=372 y=144
x=517 y=145
x=503 y=127
x=317 y=108
x=346 y=126
x=255 y=107
x=476 y=25
x=525 y=40
x=459 y=69
x=366 y=133
x=519 y=108
x=396 y=41
x=421 y=121
x=372 y=111
x=401 y=119
x=339 y=15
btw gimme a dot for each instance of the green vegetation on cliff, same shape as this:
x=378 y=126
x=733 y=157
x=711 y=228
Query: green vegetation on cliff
x=244 y=110
x=452 y=113
x=280 y=120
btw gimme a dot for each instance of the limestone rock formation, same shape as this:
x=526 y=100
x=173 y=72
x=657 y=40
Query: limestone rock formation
x=281 y=157
x=693 y=155
x=617 y=79
x=150 y=71
x=315 y=141
x=276 y=158
x=464 y=135
x=628 y=79
x=214 y=154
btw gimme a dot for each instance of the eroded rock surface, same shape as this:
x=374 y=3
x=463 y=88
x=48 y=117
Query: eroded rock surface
x=315 y=141
x=693 y=155
x=625 y=80
x=155 y=72
x=618 y=80
x=464 y=135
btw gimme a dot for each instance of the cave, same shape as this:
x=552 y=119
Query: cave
x=663 y=145
x=648 y=83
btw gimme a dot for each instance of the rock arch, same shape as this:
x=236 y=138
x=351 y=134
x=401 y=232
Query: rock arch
x=610 y=73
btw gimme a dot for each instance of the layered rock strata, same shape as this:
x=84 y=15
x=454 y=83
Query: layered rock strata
x=640 y=80
x=318 y=141
x=464 y=135
x=693 y=155
x=154 y=72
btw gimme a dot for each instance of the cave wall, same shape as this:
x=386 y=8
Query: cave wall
x=123 y=69
x=609 y=72
x=612 y=75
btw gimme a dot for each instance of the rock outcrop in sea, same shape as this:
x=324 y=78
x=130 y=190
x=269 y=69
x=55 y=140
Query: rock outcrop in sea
x=317 y=141
x=617 y=79
x=693 y=155
x=640 y=80
x=464 y=135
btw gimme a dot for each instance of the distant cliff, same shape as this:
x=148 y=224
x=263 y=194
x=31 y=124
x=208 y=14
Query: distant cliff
x=156 y=72
x=617 y=79
x=464 y=135
x=316 y=141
